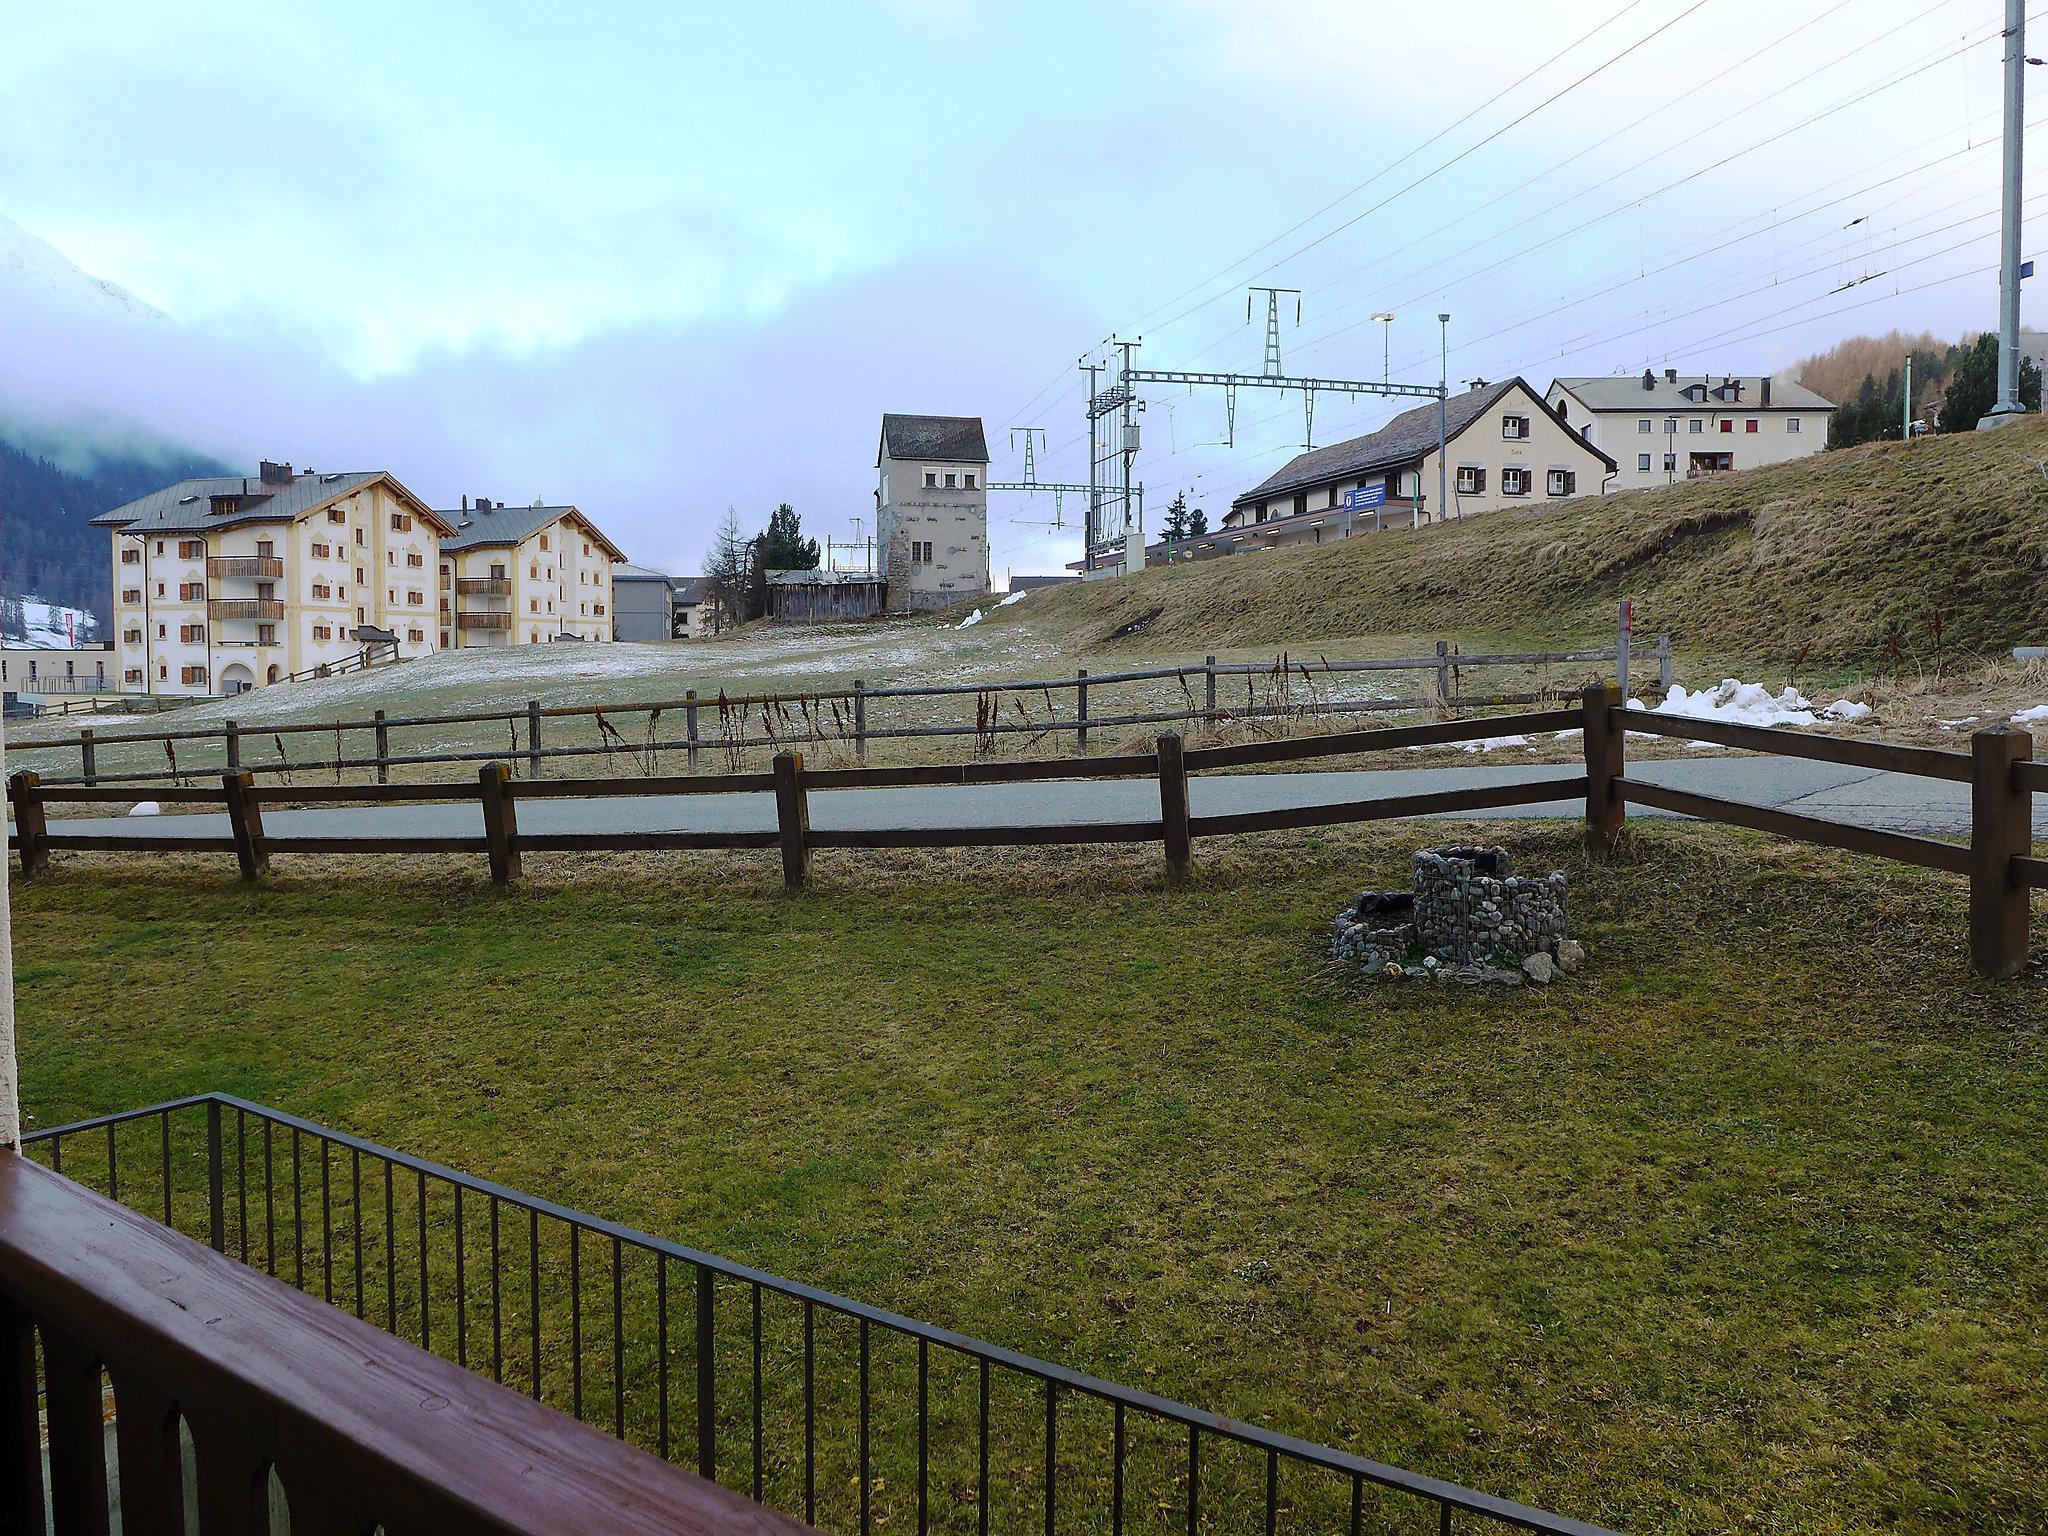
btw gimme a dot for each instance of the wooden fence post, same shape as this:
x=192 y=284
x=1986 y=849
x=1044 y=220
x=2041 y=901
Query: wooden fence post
x=1663 y=666
x=88 y=756
x=233 y=736
x=2001 y=827
x=860 y=722
x=1209 y=670
x=1443 y=675
x=1081 y=711
x=690 y=725
x=501 y=821
x=1173 y=811
x=792 y=817
x=532 y=739
x=245 y=823
x=1624 y=624
x=29 y=825
x=383 y=748
x=1604 y=738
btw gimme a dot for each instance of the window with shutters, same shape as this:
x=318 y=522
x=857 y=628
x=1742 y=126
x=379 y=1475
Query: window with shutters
x=1514 y=429
x=1563 y=482
x=401 y=522
x=543 y=542
x=191 y=675
x=191 y=549
x=131 y=595
x=415 y=636
x=132 y=675
x=190 y=591
x=191 y=634
x=131 y=556
x=266 y=634
x=131 y=637
x=417 y=562
x=1514 y=481
x=1471 y=479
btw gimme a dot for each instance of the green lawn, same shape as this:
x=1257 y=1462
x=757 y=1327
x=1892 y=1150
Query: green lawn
x=1743 y=1228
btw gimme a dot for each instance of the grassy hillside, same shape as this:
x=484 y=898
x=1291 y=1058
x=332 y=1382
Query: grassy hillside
x=1873 y=556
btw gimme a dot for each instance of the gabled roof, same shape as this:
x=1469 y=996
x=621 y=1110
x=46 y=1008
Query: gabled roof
x=498 y=527
x=945 y=439
x=1628 y=393
x=690 y=589
x=1407 y=439
x=187 y=507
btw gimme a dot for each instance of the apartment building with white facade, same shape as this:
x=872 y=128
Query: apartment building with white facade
x=1503 y=448
x=1662 y=428
x=225 y=583
x=931 y=511
x=523 y=576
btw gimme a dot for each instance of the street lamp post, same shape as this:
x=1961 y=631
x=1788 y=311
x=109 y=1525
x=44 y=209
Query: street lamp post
x=1386 y=346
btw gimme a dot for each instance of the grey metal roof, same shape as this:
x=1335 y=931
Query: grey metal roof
x=502 y=527
x=1603 y=393
x=639 y=573
x=1407 y=439
x=947 y=439
x=187 y=507
x=690 y=589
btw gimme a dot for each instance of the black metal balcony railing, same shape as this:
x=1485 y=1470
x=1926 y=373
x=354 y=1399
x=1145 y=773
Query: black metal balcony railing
x=241 y=1400
x=845 y=1414
x=268 y=609
x=260 y=567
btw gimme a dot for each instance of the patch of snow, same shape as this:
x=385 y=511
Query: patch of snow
x=971 y=619
x=1741 y=703
x=2028 y=716
x=1949 y=725
x=1496 y=743
x=145 y=808
x=1014 y=597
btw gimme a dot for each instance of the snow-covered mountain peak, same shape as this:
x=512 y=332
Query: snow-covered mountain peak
x=34 y=274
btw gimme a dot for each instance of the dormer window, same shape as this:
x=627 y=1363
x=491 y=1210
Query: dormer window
x=222 y=506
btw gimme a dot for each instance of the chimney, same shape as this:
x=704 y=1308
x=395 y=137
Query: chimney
x=1764 y=388
x=1649 y=379
x=465 y=503
x=1670 y=375
x=273 y=474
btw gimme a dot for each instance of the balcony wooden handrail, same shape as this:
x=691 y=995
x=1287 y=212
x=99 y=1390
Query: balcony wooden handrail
x=265 y=608
x=260 y=566
x=361 y=1428
x=484 y=586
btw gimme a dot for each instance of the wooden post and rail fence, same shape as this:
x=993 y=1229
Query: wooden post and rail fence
x=783 y=722
x=1998 y=860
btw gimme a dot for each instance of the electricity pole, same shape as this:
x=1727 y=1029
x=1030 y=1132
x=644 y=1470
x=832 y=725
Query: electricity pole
x=1906 y=426
x=1443 y=390
x=2008 y=406
x=1273 y=369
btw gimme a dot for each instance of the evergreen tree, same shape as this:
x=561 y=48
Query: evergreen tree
x=1198 y=524
x=1973 y=386
x=783 y=545
x=1175 y=528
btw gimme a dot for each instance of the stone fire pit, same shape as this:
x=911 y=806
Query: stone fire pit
x=1466 y=918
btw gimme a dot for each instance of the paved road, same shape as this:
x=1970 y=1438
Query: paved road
x=1893 y=801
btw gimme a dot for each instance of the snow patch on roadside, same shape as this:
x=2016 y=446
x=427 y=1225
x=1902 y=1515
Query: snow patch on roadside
x=971 y=619
x=1740 y=703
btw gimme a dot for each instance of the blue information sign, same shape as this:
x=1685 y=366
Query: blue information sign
x=1362 y=497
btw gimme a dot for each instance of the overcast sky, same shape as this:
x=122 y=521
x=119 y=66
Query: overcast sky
x=656 y=259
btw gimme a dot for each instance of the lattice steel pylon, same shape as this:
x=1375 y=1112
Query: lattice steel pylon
x=1272 y=368
x=1031 y=484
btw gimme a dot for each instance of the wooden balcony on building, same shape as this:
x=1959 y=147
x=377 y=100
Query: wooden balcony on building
x=362 y=1429
x=483 y=621
x=258 y=567
x=484 y=586
x=268 y=609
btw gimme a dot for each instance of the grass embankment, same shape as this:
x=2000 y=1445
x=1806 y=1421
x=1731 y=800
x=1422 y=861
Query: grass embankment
x=1937 y=543
x=1740 y=1230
